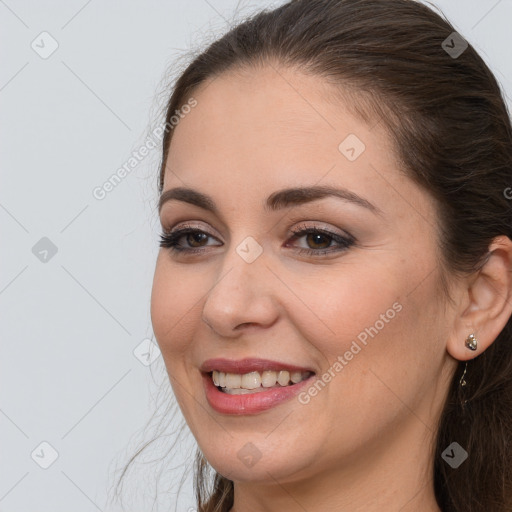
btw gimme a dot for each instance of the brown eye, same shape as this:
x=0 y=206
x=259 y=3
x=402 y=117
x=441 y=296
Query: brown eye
x=196 y=238
x=318 y=240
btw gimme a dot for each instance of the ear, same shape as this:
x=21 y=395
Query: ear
x=487 y=302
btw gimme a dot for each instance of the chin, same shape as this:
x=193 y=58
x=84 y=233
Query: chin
x=247 y=461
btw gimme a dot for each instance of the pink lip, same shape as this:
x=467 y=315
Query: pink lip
x=250 y=403
x=247 y=365
x=254 y=403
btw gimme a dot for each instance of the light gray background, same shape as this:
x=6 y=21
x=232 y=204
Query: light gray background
x=69 y=376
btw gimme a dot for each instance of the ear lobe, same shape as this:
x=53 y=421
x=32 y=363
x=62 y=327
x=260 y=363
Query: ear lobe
x=488 y=304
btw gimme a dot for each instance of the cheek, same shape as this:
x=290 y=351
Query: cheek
x=383 y=318
x=340 y=304
x=173 y=297
x=373 y=339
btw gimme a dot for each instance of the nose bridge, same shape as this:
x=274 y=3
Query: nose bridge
x=242 y=293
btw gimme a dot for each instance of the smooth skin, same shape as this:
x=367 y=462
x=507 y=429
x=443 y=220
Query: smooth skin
x=364 y=442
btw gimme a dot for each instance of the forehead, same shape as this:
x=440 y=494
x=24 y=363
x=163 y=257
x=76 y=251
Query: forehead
x=255 y=132
x=259 y=130
x=269 y=119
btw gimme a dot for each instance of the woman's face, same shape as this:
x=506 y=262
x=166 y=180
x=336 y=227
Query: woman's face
x=356 y=300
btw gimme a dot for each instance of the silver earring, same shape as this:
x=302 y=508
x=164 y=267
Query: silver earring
x=471 y=342
x=462 y=381
x=462 y=387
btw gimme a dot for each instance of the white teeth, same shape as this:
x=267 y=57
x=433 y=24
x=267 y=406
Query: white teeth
x=233 y=380
x=251 y=380
x=295 y=377
x=237 y=384
x=283 y=378
x=242 y=391
x=268 y=378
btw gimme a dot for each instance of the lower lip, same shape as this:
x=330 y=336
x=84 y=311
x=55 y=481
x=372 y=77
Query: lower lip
x=252 y=403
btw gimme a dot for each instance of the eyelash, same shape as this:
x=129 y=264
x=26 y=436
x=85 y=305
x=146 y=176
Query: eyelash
x=170 y=240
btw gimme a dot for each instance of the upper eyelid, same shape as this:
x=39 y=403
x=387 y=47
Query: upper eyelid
x=188 y=226
x=318 y=224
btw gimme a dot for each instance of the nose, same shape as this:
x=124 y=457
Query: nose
x=242 y=297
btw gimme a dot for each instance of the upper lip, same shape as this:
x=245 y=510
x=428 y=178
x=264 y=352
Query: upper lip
x=249 y=365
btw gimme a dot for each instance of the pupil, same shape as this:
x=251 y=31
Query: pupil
x=316 y=236
x=196 y=237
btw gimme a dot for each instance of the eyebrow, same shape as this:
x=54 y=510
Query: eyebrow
x=277 y=200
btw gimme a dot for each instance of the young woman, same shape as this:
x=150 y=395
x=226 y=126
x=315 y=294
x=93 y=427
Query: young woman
x=333 y=295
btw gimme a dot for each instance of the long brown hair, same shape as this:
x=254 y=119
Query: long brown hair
x=452 y=135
